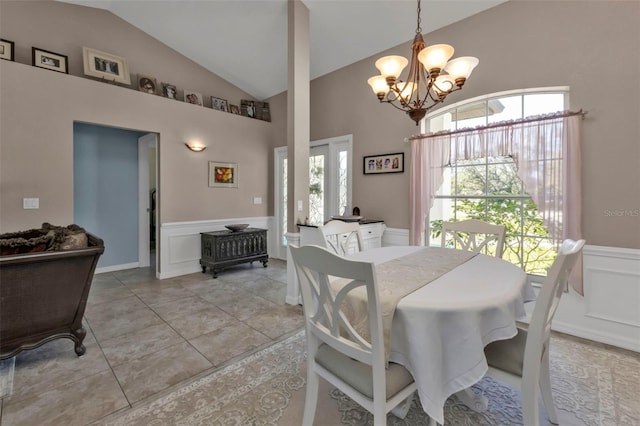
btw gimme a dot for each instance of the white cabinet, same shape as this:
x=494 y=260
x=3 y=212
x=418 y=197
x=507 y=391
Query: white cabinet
x=371 y=234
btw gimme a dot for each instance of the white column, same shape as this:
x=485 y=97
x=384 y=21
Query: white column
x=298 y=131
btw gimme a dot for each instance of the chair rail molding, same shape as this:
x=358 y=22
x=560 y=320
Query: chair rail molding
x=180 y=242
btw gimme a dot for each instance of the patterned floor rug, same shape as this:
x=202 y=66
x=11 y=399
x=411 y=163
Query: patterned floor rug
x=592 y=385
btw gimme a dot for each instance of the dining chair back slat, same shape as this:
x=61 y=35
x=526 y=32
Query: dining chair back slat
x=474 y=235
x=342 y=237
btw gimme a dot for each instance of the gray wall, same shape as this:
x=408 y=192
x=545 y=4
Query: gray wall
x=38 y=108
x=591 y=46
x=105 y=189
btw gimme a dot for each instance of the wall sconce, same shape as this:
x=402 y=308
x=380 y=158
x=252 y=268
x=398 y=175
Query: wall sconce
x=196 y=146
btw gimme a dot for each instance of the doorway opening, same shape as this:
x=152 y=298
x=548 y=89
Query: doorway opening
x=114 y=173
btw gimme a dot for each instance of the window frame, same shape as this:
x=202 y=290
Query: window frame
x=486 y=161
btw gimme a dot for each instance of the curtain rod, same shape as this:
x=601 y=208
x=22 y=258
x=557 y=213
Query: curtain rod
x=500 y=124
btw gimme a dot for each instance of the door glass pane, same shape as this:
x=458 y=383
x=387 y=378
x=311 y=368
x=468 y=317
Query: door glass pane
x=342 y=183
x=316 y=189
x=283 y=205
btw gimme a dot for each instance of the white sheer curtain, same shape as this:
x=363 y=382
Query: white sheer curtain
x=546 y=151
x=428 y=161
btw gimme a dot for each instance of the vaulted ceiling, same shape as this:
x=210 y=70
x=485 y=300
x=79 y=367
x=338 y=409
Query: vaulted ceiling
x=245 y=42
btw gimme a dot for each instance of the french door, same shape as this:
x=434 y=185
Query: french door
x=329 y=184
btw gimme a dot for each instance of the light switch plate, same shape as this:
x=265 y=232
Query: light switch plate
x=31 y=203
x=299 y=205
x=257 y=200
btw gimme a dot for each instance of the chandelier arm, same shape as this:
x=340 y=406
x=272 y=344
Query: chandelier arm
x=393 y=104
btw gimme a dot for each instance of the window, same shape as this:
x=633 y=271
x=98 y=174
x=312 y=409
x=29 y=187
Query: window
x=488 y=188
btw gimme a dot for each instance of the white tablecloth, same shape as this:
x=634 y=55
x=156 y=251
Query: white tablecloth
x=439 y=331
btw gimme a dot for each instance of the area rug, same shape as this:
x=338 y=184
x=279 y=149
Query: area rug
x=591 y=386
x=7 y=368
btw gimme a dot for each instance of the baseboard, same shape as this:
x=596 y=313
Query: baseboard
x=597 y=336
x=114 y=268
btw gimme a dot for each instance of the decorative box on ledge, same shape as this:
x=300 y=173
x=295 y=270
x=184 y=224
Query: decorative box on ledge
x=221 y=249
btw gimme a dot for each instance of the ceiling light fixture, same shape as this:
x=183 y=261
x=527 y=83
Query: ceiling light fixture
x=425 y=86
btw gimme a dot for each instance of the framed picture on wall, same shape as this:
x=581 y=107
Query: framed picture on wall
x=169 y=91
x=106 y=66
x=7 y=49
x=147 y=84
x=387 y=163
x=234 y=109
x=49 y=60
x=219 y=104
x=223 y=175
x=191 y=97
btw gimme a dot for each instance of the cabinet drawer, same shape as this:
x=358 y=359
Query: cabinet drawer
x=373 y=230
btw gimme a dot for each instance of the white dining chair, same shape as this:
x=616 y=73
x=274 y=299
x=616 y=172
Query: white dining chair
x=523 y=360
x=335 y=350
x=342 y=237
x=474 y=235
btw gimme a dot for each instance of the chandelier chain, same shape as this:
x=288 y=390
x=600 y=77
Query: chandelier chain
x=419 y=28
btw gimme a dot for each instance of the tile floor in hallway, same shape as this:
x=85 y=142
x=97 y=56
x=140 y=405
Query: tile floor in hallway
x=147 y=336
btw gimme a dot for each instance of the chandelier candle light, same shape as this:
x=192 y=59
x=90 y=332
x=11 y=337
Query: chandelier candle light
x=426 y=86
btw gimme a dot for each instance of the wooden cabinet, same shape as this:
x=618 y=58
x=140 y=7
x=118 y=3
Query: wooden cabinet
x=221 y=249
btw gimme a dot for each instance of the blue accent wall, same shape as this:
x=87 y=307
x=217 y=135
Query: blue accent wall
x=105 y=189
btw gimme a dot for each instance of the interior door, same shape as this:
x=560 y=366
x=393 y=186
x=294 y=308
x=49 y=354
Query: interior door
x=146 y=144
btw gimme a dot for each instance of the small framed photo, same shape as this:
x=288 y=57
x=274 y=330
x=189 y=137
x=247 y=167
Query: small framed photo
x=223 y=175
x=105 y=65
x=248 y=108
x=7 y=50
x=49 y=60
x=234 y=109
x=147 y=84
x=191 y=97
x=169 y=91
x=219 y=104
x=387 y=163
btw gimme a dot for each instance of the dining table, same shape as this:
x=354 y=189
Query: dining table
x=439 y=330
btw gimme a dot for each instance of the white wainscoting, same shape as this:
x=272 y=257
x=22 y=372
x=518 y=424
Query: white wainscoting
x=180 y=242
x=395 y=237
x=609 y=312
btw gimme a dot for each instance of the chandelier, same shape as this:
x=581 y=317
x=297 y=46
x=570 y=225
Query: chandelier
x=426 y=85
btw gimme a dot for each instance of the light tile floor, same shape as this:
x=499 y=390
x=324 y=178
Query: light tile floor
x=146 y=337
